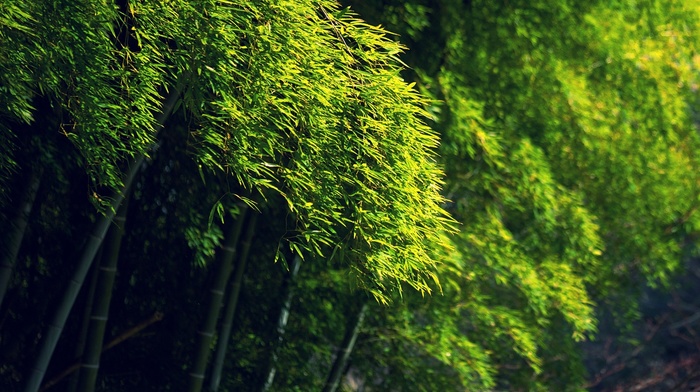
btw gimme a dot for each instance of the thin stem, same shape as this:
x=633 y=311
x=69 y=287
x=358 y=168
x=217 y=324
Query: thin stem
x=157 y=316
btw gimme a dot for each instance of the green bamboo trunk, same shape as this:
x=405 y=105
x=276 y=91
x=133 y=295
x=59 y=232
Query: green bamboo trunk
x=230 y=311
x=16 y=233
x=344 y=351
x=216 y=293
x=84 y=324
x=97 y=235
x=100 y=310
x=56 y=325
x=282 y=323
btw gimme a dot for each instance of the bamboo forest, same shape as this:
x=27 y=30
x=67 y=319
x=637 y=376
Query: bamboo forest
x=323 y=195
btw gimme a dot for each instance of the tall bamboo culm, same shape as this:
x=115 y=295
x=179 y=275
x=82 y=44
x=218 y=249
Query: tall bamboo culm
x=100 y=309
x=84 y=325
x=224 y=266
x=282 y=323
x=230 y=311
x=16 y=232
x=345 y=349
x=95 y=238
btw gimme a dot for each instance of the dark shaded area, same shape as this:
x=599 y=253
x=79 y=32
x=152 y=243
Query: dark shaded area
x=660 y=352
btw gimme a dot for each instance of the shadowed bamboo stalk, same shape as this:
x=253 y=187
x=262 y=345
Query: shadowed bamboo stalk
x=16 y=234
x=157 y=316
x=85 y=323
x=344 y=351
x=216 y=294
x=55 y=327
x=282 y=323
x=100 y=309
x=230 y=311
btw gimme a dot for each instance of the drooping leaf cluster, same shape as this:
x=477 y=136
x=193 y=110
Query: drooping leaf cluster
x=571 y=166
x=564 y=129
x=295 y=107
x=293 y=97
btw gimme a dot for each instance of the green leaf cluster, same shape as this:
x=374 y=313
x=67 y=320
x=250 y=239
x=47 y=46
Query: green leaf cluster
x=567 y=164
x=293 y=98
x=571 y=162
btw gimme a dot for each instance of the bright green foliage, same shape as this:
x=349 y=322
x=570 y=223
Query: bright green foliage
x=639 y=141
x=292 y=99
x=15 y=91
x=571 y=162
x=296 y=97
x=297 y=101
x=67 y=53
x=565 y=132
x=607 y=101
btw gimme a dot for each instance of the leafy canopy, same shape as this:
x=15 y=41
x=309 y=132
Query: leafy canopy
x=294 y=98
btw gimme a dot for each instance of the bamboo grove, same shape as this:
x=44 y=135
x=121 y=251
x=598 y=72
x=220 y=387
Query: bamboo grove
x=277 y=195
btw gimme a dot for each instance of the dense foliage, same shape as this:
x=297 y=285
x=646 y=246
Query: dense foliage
x=461 y=232
x=571 y=158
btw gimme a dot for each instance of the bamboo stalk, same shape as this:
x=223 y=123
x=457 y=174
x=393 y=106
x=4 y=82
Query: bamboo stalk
x=230 y=311
x=344 y=351
x=100 y=310
x=85 y=323
x=95 y=239
x=282 y=323
x=157 y=316
x=216 y=294
x=17 y=229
